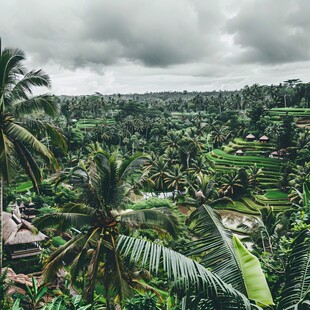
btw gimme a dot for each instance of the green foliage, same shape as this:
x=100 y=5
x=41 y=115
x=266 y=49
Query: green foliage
x=254 y=279
x=152 y=203
x=296 y=292
x=58 y=241
x=142 y=302
x=5 y=299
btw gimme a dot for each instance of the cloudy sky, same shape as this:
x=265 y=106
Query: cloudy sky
x=127 y=46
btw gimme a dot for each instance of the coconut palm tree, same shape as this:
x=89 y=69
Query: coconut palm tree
x=19 y=130
x=175 y=177
x=219 y=135
x=200 y=166
x=103 y=181
x=158 y=173
x=254 y=174
x=100 y=249
x=172 y=140
x=230 y=183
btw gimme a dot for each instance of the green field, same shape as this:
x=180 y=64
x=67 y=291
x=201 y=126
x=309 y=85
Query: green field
x=93 y=122
x=298 y=112
x=227 y=163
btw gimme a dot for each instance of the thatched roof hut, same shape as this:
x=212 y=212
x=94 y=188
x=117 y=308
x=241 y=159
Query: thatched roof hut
x=19 y=231
x=250 y=137
x=239 y=153
x=263 y=139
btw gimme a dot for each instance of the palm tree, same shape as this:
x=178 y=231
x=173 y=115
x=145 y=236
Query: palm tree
x=254 y=174
x=103 y=180
x=18 y=130
x=200 y=166
x=171 y=156
x=158 y=173
x=175 y=177
x=230 y=183
x=172 y=140
x=219 y=135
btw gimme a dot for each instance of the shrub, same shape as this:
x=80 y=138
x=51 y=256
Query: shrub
x=152 y=203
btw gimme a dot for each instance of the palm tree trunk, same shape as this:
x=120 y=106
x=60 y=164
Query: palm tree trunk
x=1 y=223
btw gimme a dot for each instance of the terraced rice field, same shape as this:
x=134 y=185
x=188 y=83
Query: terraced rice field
x=302 y=115
x=249 y=148
x=226 y=163
x=273 y=198
x=298 y=112
x=92 y=123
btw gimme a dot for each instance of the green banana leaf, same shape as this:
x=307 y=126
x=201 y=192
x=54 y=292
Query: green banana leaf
x=254 y=279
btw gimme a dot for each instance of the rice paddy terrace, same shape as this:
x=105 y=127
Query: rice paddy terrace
x=92 y=123
x=302 y=115
x=254 y=153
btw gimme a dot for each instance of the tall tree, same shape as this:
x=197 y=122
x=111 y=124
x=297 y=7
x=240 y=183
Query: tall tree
x=18 y=130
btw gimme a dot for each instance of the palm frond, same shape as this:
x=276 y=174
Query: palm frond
x=30 y=79
x=296 y=292
x=45 y=128
x=216 y=247
x=88 y=291
x=7 y=162
x=29 y=164
x=43 y=102
x=64 y=255
x=135 y=161
x=82 y=260
x=188 y=275
x=63 y=220
x=22 y=135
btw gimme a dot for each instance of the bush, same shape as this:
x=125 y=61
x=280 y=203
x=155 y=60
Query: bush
x=142 y=302
x=152 y=203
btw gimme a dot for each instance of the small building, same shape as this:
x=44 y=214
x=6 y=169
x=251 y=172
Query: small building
x=280 y=154
x=250 y=137
x=239 y=153
x=20 y=238
x=263 y=139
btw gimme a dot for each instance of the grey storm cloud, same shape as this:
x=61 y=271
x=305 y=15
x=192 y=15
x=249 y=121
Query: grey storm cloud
x=154 y=33
x=154 y=45
x=272 y=31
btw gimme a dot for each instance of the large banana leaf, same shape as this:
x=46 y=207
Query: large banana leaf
x=189 y=277
x=296 y=292
x=254 y=279
x=216 y=247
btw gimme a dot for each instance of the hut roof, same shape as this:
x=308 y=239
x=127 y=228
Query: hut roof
x=264 y=138
x=239 y=152
x=250 y=136
x=19 y=231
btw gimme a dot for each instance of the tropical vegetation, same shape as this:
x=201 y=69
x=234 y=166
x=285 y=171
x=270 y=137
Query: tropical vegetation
x=157 y=200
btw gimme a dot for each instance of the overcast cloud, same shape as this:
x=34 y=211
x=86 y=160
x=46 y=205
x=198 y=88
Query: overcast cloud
x=126 y=46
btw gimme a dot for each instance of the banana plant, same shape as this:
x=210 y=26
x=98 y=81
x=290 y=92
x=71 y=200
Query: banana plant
x=35 y=294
